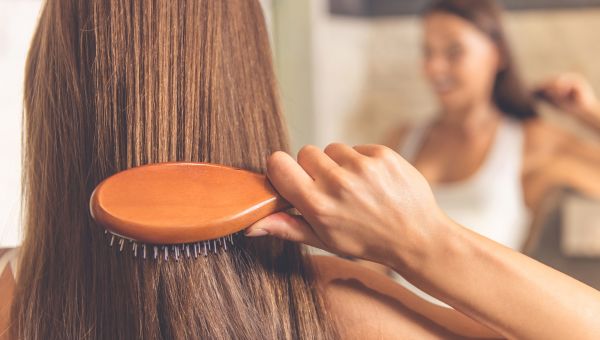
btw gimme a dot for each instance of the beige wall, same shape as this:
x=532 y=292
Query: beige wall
x=292 y=45
x=17 y=21
x=367 y=73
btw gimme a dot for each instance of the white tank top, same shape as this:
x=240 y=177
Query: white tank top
x=491 y=202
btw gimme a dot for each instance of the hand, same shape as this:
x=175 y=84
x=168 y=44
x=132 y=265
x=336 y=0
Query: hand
x=365 y=202
x=571 y=93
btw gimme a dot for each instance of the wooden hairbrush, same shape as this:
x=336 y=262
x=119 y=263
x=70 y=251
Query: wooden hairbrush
x=182 y=209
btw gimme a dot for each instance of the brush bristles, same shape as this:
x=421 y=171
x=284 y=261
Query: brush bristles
x=174 y=251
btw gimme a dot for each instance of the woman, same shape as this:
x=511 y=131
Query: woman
x=368 y=202
x=116 y=84
x=489 y=158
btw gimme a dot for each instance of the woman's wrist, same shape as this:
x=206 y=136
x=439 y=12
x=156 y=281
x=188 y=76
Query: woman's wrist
x=424 y=245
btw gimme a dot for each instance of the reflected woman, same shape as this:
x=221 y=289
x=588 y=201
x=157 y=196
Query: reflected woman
x=488 y=156
x=490 y=159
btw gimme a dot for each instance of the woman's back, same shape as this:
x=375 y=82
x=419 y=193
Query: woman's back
x=362 y=303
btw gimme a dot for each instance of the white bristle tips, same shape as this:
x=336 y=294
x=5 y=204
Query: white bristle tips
x=164 y=252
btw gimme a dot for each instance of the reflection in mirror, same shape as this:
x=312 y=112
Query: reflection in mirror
x=496 y=107
x=415 y=7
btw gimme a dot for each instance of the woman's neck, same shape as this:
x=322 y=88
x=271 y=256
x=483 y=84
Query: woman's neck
x=472 y=121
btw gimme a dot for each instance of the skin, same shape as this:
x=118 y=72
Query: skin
x=368 y=305
x=571 y=93
x=355 y=202
x=368 y=202
x=364 y=303
x=7 y=287
x=461 y=63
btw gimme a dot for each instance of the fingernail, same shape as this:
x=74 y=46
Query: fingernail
x=256 y=232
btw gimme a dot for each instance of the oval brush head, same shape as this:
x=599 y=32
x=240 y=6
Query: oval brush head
x=182 y=203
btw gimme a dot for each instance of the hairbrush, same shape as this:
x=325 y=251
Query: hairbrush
x=181 y=209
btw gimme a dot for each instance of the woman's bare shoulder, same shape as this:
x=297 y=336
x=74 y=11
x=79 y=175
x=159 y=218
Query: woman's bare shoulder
x=368 y=304
x=547 y=142
x=544 y=135
x=7 y=287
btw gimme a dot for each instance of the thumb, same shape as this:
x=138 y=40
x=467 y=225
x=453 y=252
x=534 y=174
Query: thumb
x=286 y=227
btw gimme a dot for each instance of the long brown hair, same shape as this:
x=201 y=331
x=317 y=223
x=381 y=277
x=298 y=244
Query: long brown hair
x=112 y=84
x=510 y=94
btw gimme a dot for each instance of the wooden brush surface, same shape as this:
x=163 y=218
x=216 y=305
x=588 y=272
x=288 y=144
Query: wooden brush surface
x=170 y=203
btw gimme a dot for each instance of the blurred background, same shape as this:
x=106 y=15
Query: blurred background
x=349 y=77
x=349 y=71
x=17 y=22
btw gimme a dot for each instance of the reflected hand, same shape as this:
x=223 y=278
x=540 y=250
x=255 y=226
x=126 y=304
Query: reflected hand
x=364 y=202
x=572 y=93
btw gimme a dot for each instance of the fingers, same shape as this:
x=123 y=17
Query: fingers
x=289 y=178
x=286 y=227
x=379 y=152
x=343 y=154
x=315 y=162
x=296 y=181
x=369 y=150
x=563 y=87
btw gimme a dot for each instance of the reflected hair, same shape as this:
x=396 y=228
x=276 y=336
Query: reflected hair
x=114 y=84
x=510 y=94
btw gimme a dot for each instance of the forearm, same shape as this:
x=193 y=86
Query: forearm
x=576 y=172
x=591 y=119
x=507 y=291
x=378 y=207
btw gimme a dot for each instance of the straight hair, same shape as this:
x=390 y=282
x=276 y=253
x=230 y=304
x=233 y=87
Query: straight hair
x=114 y=84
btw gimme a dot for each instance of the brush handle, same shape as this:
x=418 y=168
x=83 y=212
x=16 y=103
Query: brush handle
x=172 y=203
